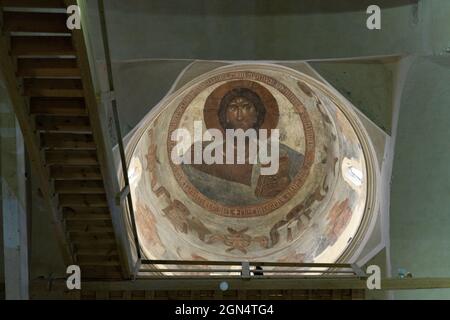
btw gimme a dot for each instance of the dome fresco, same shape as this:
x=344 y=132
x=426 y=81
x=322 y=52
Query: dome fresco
x=309 y=210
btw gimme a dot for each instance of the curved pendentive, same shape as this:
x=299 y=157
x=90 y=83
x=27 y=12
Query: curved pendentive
x=309 y=210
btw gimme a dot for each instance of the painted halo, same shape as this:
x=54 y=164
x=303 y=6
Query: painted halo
x=247 y=79
x=212 y=104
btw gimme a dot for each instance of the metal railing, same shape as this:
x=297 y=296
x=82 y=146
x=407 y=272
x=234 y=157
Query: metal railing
x=247 y=269
x=125 y=193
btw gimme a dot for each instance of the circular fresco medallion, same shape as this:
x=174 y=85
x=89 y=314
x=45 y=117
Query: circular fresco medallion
x=243 y=100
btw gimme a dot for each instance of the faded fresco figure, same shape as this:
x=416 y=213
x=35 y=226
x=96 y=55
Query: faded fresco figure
x=242 y=184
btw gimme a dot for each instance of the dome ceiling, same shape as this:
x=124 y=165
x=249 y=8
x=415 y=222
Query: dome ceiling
x=308 y=211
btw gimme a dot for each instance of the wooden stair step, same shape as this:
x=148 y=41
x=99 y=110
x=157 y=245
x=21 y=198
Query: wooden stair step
x=112 y=251
x=86 y=212
x=75 y=173
x=71 y=88
x=93 y=238
x=70 y=157
x=87 y=217
x=84 y=246
x=32 y=3
x=47 y=68
x=84 y=241
x=42 y=46
x=89 y=229
x=79 y=187
x=67 y=141
x=63 y=124
x=89 y=225
x=98 y=260
x=89 y=200
x=35 y=22
x=58 y=106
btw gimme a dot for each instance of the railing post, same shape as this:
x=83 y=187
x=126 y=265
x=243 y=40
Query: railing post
x=245 y=269
x=358 y=271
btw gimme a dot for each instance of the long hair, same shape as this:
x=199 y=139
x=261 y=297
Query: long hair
x=247 y=94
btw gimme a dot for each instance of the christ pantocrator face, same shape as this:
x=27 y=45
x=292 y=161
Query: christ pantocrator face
x=241 y=113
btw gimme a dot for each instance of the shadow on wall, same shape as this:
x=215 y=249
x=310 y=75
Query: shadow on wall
x=257 y=29
x=419 y=214
x=252 y=7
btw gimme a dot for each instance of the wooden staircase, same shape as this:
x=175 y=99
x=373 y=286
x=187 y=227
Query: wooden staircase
x=47 y=75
